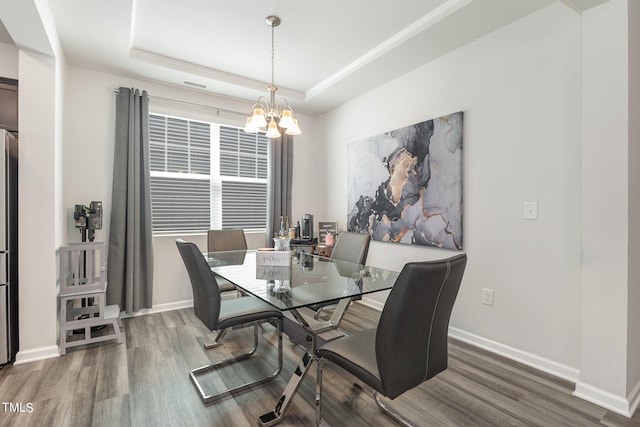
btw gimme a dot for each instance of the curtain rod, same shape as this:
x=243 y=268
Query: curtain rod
x=193 y=104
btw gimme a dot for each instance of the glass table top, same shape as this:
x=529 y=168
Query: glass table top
x=309 y=279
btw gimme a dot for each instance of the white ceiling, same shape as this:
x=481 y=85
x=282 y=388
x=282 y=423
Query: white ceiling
x=326 y=52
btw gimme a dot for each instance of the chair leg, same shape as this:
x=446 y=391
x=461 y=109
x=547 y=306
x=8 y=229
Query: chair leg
x=207 y=398
x=391 y=413
x=116 y=329
x=319 y=392
x=217 y=341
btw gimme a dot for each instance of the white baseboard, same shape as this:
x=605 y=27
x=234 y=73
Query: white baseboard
x=36 y=354
x=42 y=353
x=634 y=399
x=371 y=303
x=159 y=308
x=549 y=366
x=545 y=365
x=605 y=399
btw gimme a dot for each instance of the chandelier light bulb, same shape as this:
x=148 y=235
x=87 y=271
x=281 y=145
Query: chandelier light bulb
x=286 y=119
x=294 y=129
x=250 y=127
x=272 y=130
x=258 y=119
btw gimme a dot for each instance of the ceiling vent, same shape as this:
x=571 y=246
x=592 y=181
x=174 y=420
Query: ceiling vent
x=194 y=84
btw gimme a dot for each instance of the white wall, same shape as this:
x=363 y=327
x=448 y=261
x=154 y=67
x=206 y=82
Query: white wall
x=36 y=192
x=605 y=208
x=610 y=298
x=8 y=61
x=41 y=79
x=549 y=103
x=519 y=88
x=88 y=151
x=633 y=337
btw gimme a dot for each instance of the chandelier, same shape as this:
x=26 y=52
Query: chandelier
x=271 y=114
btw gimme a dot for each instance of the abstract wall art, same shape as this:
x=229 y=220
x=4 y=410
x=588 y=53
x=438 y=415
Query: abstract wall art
x=405 y=186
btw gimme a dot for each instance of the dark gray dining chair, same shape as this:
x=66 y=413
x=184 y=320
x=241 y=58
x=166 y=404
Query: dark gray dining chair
x=226 y=240
x=409 y=345
x=218 y=314
x=351 y=247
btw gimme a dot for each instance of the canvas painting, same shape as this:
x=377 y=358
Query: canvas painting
x=405 y=186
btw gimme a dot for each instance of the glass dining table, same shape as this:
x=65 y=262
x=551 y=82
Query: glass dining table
x=308 y=280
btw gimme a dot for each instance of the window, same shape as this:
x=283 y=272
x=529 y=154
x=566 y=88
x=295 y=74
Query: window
x=206 y=176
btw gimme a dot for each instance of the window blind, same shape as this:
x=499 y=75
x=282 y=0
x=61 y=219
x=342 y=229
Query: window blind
x=180 y=204
x=244 y=205
x=191 y=185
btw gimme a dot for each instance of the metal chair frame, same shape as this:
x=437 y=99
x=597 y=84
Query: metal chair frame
x=208 y=398
x=207 y=309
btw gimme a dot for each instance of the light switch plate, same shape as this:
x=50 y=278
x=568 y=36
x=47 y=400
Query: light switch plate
x=487 y=296
x=530 y=210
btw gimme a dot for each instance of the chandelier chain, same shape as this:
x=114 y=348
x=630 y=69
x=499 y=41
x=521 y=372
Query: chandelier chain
x=273 y=55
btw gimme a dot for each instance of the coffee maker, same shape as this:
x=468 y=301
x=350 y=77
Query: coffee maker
x=306 y=227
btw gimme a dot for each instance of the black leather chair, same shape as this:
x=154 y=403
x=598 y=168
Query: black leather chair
x=218 y=314
x=409 y=345
x=226 y=240
x=351 y=247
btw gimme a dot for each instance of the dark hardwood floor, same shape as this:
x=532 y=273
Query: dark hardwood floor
x=144 y=382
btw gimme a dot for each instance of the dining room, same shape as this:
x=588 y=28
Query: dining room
x=550 y=294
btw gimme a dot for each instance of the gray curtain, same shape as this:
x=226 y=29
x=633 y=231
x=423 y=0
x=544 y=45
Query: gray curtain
x=279 y=184
x=130 y=256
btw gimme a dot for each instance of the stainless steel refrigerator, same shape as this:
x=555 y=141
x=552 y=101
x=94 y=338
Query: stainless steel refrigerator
x=8 y=247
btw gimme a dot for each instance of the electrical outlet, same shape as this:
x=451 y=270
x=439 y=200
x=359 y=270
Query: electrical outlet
x=487 y=296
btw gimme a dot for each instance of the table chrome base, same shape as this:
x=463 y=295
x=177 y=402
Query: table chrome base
x=276 y=416
x=273 y=418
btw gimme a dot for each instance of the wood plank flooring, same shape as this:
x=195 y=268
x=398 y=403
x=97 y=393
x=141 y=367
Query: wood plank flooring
x=144 y=382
